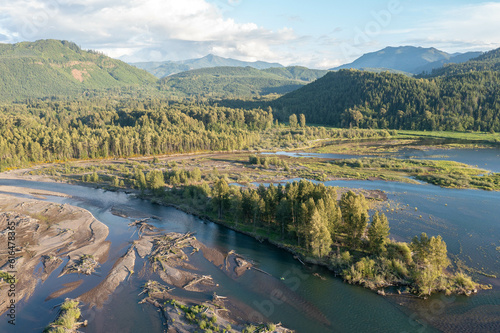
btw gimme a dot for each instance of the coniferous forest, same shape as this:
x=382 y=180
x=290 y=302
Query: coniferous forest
x=350 y=98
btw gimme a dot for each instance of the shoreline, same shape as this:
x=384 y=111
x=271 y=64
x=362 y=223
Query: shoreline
x=380 y=196
x=52 y=249
x=49 y=234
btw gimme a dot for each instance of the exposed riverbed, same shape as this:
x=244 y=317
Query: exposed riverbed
x=468 y=221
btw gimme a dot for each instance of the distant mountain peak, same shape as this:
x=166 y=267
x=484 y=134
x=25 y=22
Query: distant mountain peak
x=407 y=58
x=211 y=56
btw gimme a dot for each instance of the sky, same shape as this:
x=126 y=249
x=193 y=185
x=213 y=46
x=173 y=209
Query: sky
x=312 y=33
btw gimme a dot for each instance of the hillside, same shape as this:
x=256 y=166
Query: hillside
x=51 y=67
x=352 y=98
x=297 y=73
x=166 y=68
x=407 y=59
x=237 y=82
x=456 y=59
x=489 y=61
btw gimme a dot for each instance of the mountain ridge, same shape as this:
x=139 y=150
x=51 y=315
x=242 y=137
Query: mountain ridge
x=165 y=68
x=238 y=82
x=60 y=68
x=410 y=59
x=457 y=97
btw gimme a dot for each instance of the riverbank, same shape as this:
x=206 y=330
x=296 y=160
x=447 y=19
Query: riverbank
x=44 y=232
x=53 y=234
x=194 y=199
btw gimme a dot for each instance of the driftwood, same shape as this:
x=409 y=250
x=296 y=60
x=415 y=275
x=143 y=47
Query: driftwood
x=260 y=270
x=142 y=226
x=152 y=287
x=217 y=297
x=86 y=265
x=198 y=280
x=227 y=261
x=298 y=258
x=167 y=247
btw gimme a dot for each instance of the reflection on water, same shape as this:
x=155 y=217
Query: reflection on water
x=468 y=222
x=486 y=158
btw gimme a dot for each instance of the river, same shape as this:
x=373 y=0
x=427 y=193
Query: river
x=468 y=220
x=483 y=158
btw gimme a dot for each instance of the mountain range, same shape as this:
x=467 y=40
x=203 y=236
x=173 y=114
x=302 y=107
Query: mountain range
x=456 y=97
x=48 y=68
x=166 y=68
x=408 y=59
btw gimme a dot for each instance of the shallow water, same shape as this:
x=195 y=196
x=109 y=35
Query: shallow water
x=314 y=305
x=488 y=159
x=468 y=221
x=483 y=158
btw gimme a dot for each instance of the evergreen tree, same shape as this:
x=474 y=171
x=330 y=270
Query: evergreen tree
x=140 y=179
x=302 y=120
x=283 y=215
x=333 y=213
x=431 y=258
x=378 y=232
x=319 y=236
x=355 y=215
x=220 y=194
x=292 y=121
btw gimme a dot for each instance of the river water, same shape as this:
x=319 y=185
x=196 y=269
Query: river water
x=488 y=159
x=468 y=220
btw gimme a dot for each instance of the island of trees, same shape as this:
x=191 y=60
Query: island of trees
x=314 y=221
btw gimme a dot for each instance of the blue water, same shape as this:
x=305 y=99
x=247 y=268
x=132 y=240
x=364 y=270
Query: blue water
x=345 y=308
x=468 y=221
x=483 y=158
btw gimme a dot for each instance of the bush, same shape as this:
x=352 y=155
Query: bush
x=463 y=281
x=342 y=260
x=271 y=327
x=68 y=317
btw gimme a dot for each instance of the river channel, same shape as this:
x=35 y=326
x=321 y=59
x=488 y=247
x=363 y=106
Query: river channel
x=468 y=220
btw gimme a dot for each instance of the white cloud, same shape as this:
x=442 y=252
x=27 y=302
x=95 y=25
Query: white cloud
x=467 y=27
x=140 y=29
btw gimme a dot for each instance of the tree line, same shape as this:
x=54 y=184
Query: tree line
x=40 y=131
x=314 y=221
x=45 y=131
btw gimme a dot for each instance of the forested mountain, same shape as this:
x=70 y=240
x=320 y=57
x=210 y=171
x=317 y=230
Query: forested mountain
x=464 y=97
x=455 y=59
x=51 y=67
x=166 y=68
x=297 y=73
x=409 y=59
x=489 y=61
x=237 y=82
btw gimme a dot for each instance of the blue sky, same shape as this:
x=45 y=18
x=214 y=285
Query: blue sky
x=313 y=33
